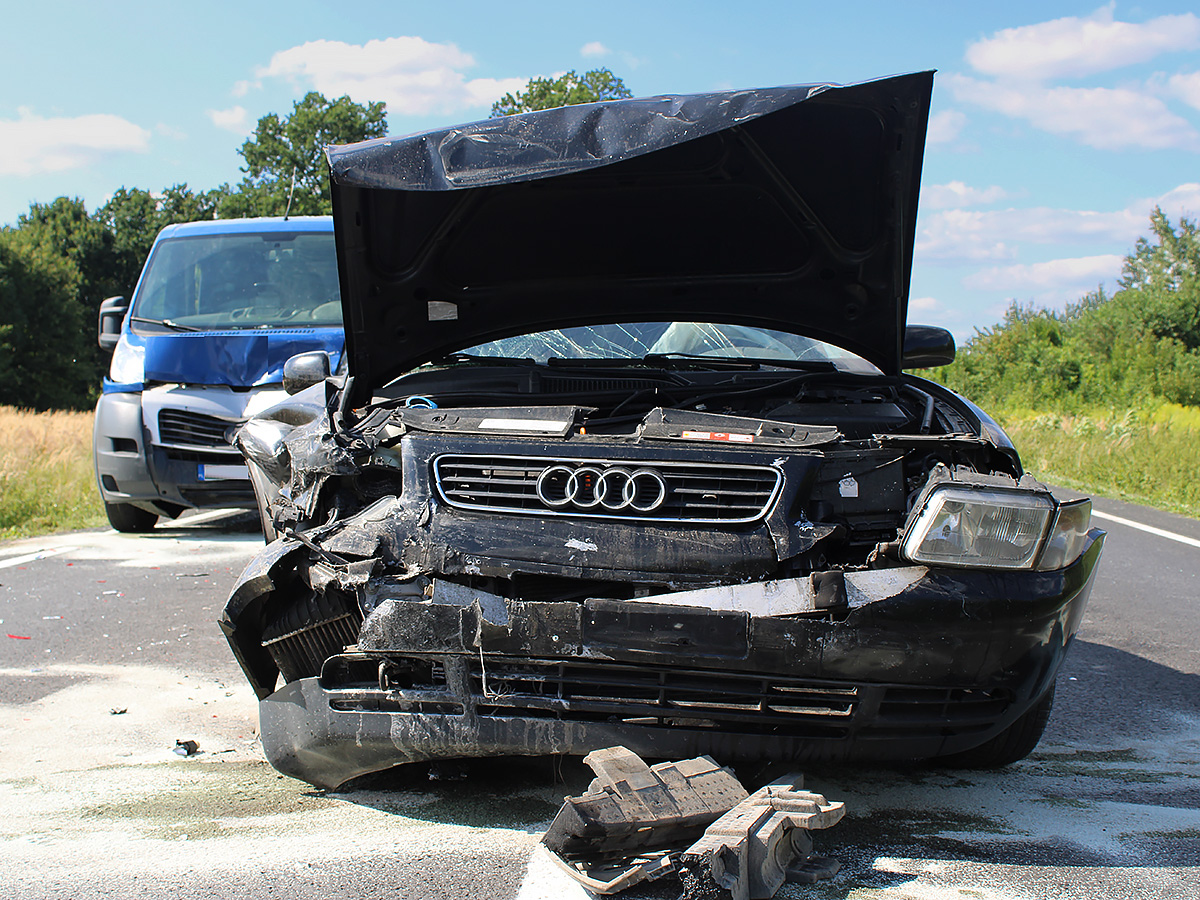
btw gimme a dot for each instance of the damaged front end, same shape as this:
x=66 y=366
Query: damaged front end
x=799 y=599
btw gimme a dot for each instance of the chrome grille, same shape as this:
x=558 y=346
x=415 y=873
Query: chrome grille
x=182 y=428
x=695 y=492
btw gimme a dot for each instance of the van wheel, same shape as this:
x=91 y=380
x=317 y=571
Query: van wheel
x=1013 y=743
x=127 y=518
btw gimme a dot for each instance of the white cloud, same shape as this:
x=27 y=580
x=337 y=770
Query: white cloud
x=170 y=131
x=958 y=194
x=1072 y=276
x=933 y=311
x=1186 y=87
x=1107 y=118
x=594 y=48
x=234 y=119
x=1075 y=46
x=944 y=126
x=411 y=75
x=1177 y=202
x=958 y=235
x=30 y=144
x=242 y=88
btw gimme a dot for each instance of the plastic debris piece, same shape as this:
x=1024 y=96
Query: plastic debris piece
x=186 y=748
x=118 y=710
x=20 y=637
x=764 y=841
x=623 y=830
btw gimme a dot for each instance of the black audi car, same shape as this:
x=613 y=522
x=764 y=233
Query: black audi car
x=627 y=453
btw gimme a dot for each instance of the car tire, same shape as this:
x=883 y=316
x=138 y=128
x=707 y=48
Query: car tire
x=1013 y=743
x=130 y=519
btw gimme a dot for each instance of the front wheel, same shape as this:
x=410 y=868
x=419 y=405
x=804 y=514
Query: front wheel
x=129 y=519
x=1013 y=743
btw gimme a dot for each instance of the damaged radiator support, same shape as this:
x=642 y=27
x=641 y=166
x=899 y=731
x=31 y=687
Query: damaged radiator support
x=638 y=822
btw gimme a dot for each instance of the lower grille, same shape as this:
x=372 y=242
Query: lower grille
x=584 y=690
x=927 y=709
x=311 y=631
x=191 y=429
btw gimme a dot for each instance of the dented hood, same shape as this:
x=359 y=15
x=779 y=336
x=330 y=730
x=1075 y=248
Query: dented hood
x=790 y=208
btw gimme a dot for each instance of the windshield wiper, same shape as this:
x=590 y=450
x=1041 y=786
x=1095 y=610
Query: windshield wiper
x=451 y=359
x=745 y=362
x=694 y=359
x=174 y=326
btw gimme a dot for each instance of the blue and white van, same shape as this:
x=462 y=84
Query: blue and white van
x=220 y=307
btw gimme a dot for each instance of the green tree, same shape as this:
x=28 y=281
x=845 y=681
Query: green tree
x=293 y=147
x=1140 y=344
x=42 y=360
x=566 y=90
x=63 y=230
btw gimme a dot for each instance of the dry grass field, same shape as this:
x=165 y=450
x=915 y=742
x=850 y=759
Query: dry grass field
x=1150 y=456
x=46 y=480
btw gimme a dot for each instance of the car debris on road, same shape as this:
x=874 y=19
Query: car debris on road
x=694 y=818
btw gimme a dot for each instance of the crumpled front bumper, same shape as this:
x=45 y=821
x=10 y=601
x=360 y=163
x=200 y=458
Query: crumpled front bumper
x=940 y=662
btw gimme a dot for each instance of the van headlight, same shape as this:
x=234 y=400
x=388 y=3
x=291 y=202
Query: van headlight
x=994 y=528
x=128 y=364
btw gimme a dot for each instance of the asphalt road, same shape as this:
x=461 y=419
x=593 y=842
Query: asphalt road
x=110 y=654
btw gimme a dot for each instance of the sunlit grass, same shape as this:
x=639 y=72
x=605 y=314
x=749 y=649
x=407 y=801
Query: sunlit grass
x=46 y=480
x=1149 y=456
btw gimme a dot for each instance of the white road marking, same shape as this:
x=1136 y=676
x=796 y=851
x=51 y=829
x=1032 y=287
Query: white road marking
x=33 y=557
x=201 y=518
x=1149 y=529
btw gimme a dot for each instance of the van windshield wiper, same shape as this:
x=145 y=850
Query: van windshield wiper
x=174 y=326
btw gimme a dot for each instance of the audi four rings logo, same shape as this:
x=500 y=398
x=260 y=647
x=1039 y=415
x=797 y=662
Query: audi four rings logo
x=614 y=488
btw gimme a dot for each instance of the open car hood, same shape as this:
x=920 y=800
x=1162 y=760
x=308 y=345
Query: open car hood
x=791 y=208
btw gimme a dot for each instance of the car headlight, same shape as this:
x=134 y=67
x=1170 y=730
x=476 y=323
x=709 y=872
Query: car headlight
x=993 y=528
x=1068 y=535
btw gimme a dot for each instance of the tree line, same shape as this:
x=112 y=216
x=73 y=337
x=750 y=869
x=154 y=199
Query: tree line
x=1135 y=347
x=60 y=259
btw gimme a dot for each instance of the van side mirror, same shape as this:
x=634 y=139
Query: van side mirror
x=112 y=314
x=927 y=347
x=304 y=370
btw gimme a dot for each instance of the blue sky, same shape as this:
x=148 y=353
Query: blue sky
x=1056 y=126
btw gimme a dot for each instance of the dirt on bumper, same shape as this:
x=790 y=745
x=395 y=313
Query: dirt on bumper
x=919 y=664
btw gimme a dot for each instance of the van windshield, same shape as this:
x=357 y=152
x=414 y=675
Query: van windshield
x=217 y=282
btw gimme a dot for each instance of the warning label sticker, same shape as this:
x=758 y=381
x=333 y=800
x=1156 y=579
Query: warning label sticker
x=719 y=436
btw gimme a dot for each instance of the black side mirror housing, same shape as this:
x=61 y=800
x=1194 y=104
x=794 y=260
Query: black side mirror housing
x=927 y=347
x=304 y=370
x=112 y=314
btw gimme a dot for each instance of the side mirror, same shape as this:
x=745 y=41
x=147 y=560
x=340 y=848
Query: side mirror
x=304 y=370
x=927 y=347
x=112 y=314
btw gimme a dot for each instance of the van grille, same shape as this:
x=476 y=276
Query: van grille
x=180 y=427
